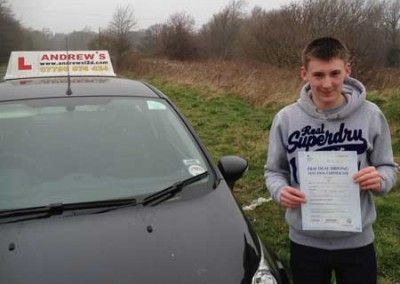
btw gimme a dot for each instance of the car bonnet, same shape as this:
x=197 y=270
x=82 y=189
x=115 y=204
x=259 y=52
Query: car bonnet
x=200 y=240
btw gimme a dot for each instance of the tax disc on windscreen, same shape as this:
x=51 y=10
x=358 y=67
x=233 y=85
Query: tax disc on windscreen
x=195 y=170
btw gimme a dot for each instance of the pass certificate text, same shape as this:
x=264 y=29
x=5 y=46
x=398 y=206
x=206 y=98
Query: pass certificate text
x=332 y=197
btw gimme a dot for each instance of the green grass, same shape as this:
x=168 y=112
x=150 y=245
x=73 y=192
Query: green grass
x=229 y=125
x=390 y=105
x=387 y=231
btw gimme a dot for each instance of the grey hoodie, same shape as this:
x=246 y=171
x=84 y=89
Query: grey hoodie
x=359 y=126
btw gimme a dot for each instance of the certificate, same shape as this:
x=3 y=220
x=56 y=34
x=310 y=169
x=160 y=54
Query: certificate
x=332 y=197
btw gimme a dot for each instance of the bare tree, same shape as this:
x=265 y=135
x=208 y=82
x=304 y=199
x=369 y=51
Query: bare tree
x=121 y=25
x=356 y=22
x=177 y=37
x=274 y=37
x=122 y=22
x=277 y=37
x=370 y=28
x=152 y=43
x=40 y=40
x=221 y=32
x=10 y=28
x=391 y=21
x=79 y=40
x=116 y=38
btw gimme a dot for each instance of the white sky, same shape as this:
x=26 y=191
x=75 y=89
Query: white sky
x=69 y=15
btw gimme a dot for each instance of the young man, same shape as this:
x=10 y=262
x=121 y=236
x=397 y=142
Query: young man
x=332 y=114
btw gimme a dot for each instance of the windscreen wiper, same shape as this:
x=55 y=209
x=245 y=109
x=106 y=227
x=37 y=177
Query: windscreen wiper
x=167 y=193
x=58 y=208
x=51 y=209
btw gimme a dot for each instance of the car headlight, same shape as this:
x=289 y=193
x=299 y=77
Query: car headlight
x=263 y=274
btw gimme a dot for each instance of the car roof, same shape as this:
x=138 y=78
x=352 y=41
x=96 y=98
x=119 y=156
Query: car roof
x=80 y=86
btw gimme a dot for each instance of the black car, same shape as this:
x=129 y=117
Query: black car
x=102 y=180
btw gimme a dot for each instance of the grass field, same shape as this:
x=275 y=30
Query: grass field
x=228 y=124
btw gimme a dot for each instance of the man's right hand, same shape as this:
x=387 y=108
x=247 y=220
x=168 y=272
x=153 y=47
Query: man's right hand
x=292 y=197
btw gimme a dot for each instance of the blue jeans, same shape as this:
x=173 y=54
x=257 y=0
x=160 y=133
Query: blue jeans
x=351 y=266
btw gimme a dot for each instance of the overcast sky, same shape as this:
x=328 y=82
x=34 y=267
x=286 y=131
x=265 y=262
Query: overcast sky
x=70 y=15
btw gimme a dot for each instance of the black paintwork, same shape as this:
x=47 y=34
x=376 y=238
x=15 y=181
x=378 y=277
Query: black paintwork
x=232 y=168
x=199 y=240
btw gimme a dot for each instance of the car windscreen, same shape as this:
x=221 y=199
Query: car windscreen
x=69 y=150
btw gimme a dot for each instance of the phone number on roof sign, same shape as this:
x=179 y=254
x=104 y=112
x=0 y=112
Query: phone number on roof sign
x=52 y=69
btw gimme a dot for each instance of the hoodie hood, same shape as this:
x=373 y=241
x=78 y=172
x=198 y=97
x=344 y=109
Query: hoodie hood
x=353 y=90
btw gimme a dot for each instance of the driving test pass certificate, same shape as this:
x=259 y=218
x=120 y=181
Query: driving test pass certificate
x=332 y=197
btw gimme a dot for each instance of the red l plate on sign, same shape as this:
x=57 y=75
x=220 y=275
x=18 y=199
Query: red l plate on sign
x=22 y=65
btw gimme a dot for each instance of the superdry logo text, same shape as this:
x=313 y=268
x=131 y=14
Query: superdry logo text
x=309 y=137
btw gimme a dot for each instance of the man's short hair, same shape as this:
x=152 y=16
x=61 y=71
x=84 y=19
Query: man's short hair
x=325 y=48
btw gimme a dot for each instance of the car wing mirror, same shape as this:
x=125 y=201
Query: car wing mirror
x=232 y=168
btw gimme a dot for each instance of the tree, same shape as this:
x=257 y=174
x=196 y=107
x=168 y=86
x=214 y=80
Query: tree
x=116 y=38
x=79 y=40
x=10 y=28
x=356 y=22
x=152 y=43
x=274 y=37
x=177 y=37
x=40 y=40
x=391 y=20
x=121 y=25
x=277 y=37
x=221 y=32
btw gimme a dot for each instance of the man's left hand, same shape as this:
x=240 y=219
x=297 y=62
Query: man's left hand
x=369 y=179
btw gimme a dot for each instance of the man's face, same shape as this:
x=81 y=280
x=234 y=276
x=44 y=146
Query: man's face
x=326 y=81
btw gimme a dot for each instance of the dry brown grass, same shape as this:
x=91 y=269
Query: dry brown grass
x=258 y=83
x=385 y=80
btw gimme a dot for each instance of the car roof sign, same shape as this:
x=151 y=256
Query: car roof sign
x=35 y=64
